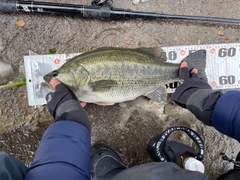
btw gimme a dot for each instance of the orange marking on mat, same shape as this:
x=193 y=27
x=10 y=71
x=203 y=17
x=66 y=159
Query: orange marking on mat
x=213 y=50
x=182 y=52
x=56 y=61
x=214 y=83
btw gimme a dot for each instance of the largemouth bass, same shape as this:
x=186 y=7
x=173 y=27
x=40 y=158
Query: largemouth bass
x=111 y=75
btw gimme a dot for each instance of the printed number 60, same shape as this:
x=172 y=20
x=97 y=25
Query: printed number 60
x=226 y=80
x=223 y=52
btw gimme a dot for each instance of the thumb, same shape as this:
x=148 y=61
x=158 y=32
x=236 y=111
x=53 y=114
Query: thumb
x=194 y=73
x=183 y=71
x=54 y=83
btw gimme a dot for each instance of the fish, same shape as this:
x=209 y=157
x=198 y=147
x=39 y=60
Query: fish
x=110 y=75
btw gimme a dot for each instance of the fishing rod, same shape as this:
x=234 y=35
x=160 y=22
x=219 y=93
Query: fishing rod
x=96 y=12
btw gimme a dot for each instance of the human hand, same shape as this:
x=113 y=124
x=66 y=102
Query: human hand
x=61 y=95
x=55 y=82
x=64 y=105
x=189 y=83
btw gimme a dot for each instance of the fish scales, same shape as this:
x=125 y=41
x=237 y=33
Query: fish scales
x=132 y=73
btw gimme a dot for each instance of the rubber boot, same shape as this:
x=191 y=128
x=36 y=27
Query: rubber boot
x=106 y=163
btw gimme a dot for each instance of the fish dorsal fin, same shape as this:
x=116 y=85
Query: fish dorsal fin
x=102 y=85
x=159 y=95
x=152 y=51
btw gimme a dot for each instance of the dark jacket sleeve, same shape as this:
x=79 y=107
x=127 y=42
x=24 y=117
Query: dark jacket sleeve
x=226 y=114
x=63 y=153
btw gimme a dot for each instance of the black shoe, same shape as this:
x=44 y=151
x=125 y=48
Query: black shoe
x=106 y=163
x=237 y=160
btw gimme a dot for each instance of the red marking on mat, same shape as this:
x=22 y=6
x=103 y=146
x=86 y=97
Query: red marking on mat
x=213 y=50
x=56 y=61
x=182 y=52
x=214 y=83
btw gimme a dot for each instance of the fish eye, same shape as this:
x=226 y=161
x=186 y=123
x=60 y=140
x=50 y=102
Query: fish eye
x=54 y=74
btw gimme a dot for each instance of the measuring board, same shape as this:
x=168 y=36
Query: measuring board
x=222 y=69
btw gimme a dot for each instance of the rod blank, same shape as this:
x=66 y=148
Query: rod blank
x=96 y=12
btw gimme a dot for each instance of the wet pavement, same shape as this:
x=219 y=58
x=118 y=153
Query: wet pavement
x=127 y=126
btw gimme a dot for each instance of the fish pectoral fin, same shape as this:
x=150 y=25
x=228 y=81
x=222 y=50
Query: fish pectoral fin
x=102 y=85
x=159 y=95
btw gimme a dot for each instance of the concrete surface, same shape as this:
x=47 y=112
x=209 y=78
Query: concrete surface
x=126 y=126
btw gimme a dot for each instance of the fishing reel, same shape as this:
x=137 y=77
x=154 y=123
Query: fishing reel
x=162 y=150
x=107 y=3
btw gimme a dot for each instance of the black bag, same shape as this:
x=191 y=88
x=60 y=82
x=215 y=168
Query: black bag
x=162 y=150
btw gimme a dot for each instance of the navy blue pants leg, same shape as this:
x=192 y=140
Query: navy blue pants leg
x=11 y=168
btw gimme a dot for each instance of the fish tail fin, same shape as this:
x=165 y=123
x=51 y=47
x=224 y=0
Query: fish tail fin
x=198 y=60
x=159 y=95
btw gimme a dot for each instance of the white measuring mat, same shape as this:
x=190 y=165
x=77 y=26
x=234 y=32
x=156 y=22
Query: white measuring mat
x=223 y=63
x=222 y=69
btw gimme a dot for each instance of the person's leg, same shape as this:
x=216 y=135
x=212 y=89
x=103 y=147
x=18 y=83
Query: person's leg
x=106 y=163
x=11 y=168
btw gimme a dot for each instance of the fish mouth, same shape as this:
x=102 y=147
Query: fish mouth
x=45 y=85
x=47 y=78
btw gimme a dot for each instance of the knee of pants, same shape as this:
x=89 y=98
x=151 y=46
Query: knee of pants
x=4 y=156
